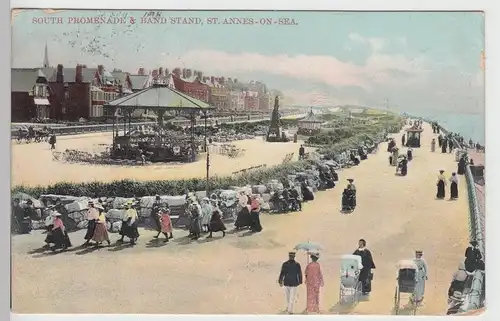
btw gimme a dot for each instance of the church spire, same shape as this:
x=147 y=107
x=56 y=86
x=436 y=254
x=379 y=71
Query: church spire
x=46 y=57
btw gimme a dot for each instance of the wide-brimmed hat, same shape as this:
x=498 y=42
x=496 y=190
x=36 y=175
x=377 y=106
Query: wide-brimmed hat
x=473 y=243
x=350 y=180
x=315 y=254
x=130 y=202
x=91 y=202
x=419 y=252
x=441 y=171
x=292 y=253
x=54 y=214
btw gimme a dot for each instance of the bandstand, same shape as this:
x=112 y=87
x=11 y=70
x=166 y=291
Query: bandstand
x=156 y=143
x=311 y=124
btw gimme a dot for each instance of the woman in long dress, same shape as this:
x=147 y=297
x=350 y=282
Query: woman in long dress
x=216 y=224
x=166 y=223
x=421 y=276
x=255 y=225
x=441 y=183
x=314 y=281
x=433 y=145
x=101 y=232
x=129 y=224
x=59 y=236
x=207 y=210
x=365 y=275
x=453 y=186
x=92 y=216
x=444 y=145
x=462 y=163
x=195 y=223
x=243 y=218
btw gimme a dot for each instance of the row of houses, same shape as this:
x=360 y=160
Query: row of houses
x=80 y=92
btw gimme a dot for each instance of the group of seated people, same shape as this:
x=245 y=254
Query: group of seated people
x=473 y=262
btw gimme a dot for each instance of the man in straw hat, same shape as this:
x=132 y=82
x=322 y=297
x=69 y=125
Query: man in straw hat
x=290 y=277
x=129 y=224
x=421 y=276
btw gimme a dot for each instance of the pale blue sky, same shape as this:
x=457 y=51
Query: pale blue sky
x=415 y=60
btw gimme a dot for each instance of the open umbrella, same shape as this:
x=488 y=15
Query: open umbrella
x=308 y=247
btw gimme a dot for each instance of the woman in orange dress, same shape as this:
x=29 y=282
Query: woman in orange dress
x=314 y=281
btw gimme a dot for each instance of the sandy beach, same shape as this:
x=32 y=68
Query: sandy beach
x=238 y=274
x=33 y=164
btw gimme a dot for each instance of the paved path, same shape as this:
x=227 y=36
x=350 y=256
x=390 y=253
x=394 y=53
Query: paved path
x=238 y=274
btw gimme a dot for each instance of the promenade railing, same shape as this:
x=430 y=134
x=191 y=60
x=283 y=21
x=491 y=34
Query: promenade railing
x=475 y=296
x=83 y=129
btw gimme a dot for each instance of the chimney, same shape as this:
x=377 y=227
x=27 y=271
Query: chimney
x=212 y=79
x=205 y=79
x=141 y=71
x=160 y=72
x=200 y=75
x=189 y=73
x=184 y=73
x=79 y=74
x=222 y=80
x=177 y=72
x=235 y=80
x=60 y=73
x=100 y=69
x=167 y=72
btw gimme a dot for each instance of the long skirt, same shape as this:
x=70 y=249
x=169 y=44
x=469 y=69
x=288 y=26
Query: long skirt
x=156 y=221
x=60 y=238
x=441 y=193
x=195 y=225
x=25 y=226
x=443 y=147
x=312 y=298
x=129 y=230
x=365 y=276
x=216 y=224
x=454 y=190
x=433 y=147
x=100 y=233
x=419 y=290
x=255 y=221
x=243 y=218
x=461 y=168
x=90 y=230
x=166 y=224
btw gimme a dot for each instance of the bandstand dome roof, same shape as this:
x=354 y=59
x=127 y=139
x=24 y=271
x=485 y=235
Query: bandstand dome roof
x=158 y=96
x=311 y=118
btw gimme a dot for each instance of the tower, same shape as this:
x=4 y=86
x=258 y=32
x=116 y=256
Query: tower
x=46 y=57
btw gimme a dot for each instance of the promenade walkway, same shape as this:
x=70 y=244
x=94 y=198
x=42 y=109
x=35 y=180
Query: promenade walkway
x=238 y=274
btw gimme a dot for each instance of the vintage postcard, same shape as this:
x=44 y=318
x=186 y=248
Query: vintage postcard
x=247 y=162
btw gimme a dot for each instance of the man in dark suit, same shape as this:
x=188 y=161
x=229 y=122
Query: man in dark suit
x=472 y=257
x=290 y=277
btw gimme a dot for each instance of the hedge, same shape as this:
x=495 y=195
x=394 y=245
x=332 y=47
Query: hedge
x=131 y=188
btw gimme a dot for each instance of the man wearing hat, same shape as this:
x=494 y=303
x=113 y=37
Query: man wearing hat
x=472 y=257
x=290 y=277
x=92 y=217
x=421 y=276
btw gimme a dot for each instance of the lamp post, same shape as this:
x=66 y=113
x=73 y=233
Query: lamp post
x=207 y=150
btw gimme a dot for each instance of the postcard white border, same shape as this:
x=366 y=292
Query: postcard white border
x=492 y=113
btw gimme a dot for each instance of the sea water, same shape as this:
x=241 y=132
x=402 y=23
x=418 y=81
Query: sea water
x=467 y=125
